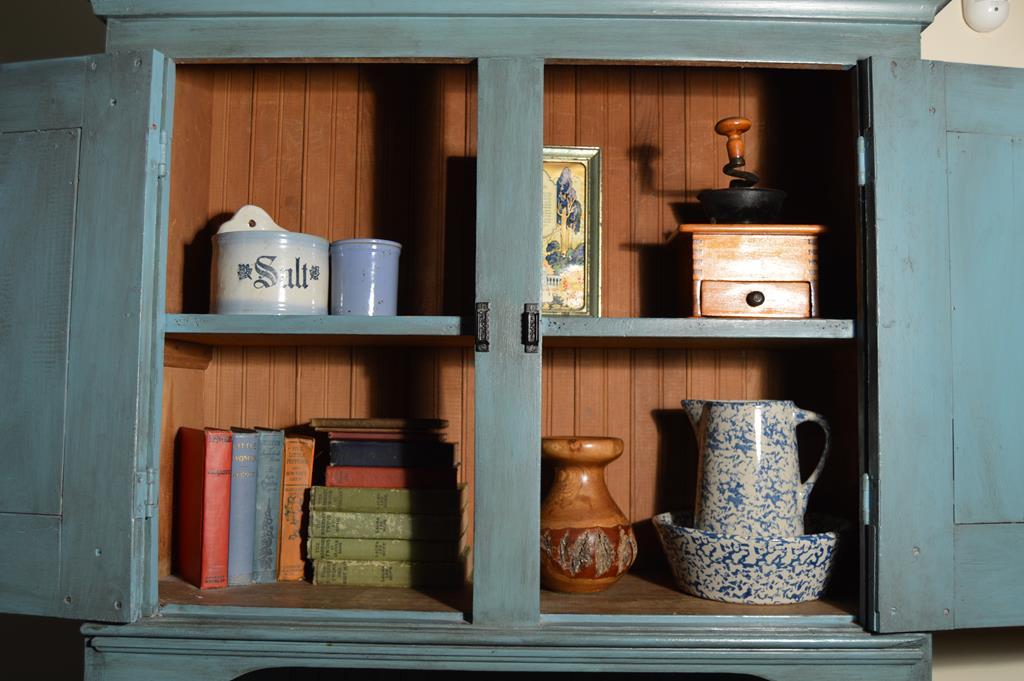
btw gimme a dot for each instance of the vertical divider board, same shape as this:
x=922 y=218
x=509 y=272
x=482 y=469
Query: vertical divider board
x=340 y=151
x=506 y=569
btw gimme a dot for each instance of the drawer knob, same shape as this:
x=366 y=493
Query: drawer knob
x=755 y=298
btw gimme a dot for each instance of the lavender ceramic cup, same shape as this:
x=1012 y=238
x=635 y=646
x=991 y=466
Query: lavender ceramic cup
x=364 y=277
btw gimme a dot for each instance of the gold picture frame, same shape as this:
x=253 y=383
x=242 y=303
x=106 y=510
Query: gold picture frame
x=571 y=232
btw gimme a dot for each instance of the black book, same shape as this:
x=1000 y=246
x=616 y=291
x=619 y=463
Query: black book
x=397 y=453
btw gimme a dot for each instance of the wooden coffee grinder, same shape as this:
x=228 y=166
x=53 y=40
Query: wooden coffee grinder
x=745 y=265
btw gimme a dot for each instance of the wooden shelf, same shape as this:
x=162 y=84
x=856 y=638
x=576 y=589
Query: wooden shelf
x=637 y=595
x=690 y=331
x=655 y=594
x=174 y=591
x=214 y=329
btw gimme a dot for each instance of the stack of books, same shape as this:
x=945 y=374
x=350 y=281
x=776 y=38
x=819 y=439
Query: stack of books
x=390 y=513
x=238 y=508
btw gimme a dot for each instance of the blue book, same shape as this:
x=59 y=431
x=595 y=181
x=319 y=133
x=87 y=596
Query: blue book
x=267 y=527
x=244 y=455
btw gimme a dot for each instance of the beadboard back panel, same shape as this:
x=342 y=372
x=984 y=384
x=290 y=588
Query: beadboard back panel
x=281 y=387
x=337 y=150
x=655 y=128
x=341 y=151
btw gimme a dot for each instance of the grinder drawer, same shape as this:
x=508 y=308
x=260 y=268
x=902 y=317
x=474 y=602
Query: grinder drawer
x=755 y=299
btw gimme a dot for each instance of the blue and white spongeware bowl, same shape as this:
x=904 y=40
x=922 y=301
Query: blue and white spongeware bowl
x=752 y=570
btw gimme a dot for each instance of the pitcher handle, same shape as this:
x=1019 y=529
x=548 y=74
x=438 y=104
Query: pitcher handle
x=803 y=415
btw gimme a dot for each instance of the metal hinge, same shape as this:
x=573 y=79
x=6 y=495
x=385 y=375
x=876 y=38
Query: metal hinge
x=867 y=500
x=145 y=493
x=862 y=161
x=161 y=166
x=531 y=327
x=483 y=327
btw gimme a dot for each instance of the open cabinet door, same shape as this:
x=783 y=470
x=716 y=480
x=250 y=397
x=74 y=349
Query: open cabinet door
x=946 y=455
x=81 y=196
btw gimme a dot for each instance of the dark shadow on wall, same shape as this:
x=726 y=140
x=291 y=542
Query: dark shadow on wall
x=40 y=648
x=43 y=30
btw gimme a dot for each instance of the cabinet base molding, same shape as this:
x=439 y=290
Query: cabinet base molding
x=225 y=647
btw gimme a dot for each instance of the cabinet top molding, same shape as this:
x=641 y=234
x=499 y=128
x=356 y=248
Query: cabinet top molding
x=862 y=11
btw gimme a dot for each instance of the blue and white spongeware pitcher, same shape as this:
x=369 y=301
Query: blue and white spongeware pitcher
x=748 y=476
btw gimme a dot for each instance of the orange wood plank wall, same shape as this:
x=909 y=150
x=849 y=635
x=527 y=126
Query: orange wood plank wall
x=340 y=151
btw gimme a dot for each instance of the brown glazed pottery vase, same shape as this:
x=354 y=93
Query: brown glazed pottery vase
x=586 y=543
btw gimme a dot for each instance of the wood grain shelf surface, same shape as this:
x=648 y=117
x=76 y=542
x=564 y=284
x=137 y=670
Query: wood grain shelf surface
x=213 y=329
x=689 y=331
x=654 y=594
x=303 y=595
x=647 y=594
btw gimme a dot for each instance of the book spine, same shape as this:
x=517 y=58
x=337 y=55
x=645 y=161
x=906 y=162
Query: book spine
x=244 y=464
x=337 y=548
x=216 y=510
x=296 y=477
x=389 y=476
x=383 y=525
x=267 y=526
x=386 y=573
x=378 y=436
x=409 y=454
x=384 y=500
x=380 y=423
x=202 y=487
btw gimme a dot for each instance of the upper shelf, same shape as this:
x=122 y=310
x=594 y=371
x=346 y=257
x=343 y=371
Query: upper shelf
x=216 y=329
x=689 y=331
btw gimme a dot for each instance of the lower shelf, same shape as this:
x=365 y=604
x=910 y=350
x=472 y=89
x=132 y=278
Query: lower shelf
x=174 y=591
x=635 y=595
x=654 y=594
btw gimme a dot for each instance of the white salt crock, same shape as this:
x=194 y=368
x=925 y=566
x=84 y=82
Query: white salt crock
x=261 y=268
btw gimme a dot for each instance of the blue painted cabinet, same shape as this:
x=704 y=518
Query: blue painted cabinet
x=935 y=333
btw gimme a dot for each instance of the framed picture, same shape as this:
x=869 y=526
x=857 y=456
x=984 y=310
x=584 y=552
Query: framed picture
x=571 y=230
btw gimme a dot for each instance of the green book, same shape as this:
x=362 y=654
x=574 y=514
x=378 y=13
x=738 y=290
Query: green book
x=386 y=573
x=340 y=548
x=384 y=525
x=384 y=500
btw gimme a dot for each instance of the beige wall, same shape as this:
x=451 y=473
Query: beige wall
x=949 y=39
x=32 y=30
x=986 y=654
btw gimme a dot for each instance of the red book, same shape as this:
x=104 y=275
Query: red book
x=202 y=504
x=390 y=477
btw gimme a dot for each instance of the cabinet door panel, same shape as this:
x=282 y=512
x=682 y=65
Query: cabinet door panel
x=35 y=271
x=82 y=200
x=948 y=536
x=986 y=232
x=988 y=566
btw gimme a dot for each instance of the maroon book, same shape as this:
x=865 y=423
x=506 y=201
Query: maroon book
x=394 y=477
